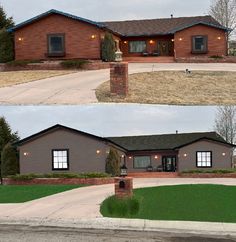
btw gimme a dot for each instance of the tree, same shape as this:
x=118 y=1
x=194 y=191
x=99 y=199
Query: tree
x=225 y=123
x=224 y=11
x=10 y=161
x=108 y=48
x=6 y=137
x=6 y=38
x=113 y=163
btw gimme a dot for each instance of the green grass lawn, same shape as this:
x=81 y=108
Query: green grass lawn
x=19 y=194
x=212 y=203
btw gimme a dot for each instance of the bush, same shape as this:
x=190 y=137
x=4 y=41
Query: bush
x=113 y=163
x=74 y=64
x=9 y=160
x=115 y=207
x=22 y=63
x=6 y=46
x=216 y=57
x=223 y=171
x=59 y=175
x=108 y=48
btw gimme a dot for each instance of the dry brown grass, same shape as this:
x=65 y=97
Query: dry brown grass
x=175 y=87
x=16 y=77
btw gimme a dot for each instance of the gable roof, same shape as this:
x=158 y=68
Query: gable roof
x=54 y=11
x=161 y=26
x=164 y=142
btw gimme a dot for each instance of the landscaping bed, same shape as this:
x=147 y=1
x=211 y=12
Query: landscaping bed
x=176 y=87
x=20 y=194
x=208 y=174
x=208 y=203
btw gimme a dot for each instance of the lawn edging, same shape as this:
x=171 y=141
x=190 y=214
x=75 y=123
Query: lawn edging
x=59 y=181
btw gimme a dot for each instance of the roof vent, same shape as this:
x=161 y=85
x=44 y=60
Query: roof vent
x=172 y=16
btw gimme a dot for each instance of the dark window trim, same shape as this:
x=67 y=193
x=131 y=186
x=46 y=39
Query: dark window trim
x=197 y=159
x=57 y=54
x=193 y=46
x=141 y=156
x=137 y=41
x=68 y=160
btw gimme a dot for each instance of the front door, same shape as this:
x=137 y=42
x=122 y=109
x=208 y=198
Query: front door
x=169 y=163
x=164 y=48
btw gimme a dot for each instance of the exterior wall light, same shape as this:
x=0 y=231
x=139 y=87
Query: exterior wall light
x=26 y=153
x=223 y=154
x=20 y=39
x=180 y=39
x=172 y=40
x=98 y=151
x=156 y=157
x=219 y=38
x=151 y=41
x=130 y=157
x=125 y=42
x=185 y=155
x=93 y=36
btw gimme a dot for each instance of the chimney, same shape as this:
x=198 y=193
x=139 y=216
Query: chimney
x=177 y=131
x=172 y=16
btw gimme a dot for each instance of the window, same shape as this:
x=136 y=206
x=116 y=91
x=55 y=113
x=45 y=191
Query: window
x=56 y=44
x=137 y=46
x=142 y=162
x=199 y=44
x=204 y=159
x=60 y=159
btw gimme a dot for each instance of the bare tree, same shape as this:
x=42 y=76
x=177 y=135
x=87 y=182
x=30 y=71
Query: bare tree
x=225 y=123
x=224 y=11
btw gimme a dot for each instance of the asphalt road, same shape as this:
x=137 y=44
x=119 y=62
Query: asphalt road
x=10 y=233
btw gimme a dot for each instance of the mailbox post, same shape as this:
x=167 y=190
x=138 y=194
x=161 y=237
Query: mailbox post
x=123 y=187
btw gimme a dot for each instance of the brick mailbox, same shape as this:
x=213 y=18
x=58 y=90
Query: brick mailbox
x=119 y=78
x=123 y=187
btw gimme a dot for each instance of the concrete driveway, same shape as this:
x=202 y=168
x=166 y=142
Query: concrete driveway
x=84 y=203
x=79 y=88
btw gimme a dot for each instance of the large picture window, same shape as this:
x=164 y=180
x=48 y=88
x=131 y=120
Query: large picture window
x=204 y=159
x=137 y=46
x=200 y=44
x=56 y=44
x=60 y=159
x=142 y=162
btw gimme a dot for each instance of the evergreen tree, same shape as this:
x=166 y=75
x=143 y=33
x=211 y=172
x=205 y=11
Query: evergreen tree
x=108 y=48
x=113 y=163
x=6 y=38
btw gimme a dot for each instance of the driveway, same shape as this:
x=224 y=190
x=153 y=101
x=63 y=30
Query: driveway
x=79 y=88
x=84 y=203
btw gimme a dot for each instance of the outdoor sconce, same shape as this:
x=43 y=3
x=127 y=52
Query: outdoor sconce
x=130 y=157
x=223 y=154
x=123 y=171
x=219 y=38
x=20 y=39
x=185 y=155
x=156 y=157
x=151 y=41
x=98 y=152
x=125 y=42
x=26 y=153
x=172 y=40
x=180 y=39
x=93 y=36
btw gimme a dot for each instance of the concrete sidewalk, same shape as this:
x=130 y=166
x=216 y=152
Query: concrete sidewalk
x=79 y=88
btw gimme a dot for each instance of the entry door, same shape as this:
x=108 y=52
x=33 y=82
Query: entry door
x=169 y=163
x=163 y=47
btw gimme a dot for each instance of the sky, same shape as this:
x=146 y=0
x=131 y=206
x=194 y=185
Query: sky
x=111 y=119
x=100 y=10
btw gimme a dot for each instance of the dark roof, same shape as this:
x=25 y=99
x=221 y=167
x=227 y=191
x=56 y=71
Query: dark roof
x=53 y=11
x=164 y=142
x=162 y=26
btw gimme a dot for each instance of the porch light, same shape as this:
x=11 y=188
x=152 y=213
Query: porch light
x=20 y=39
x=130 y=157
x=122 y=156
x=125 y=42
x=180 y=39
x=26 y=153
x=219 y=38
x=123 y=171
x=185 y=155
x=172 y=40
x=223 y=154
x=151 y=41
x=93 y=36
x=98 y=151
x=156 y=157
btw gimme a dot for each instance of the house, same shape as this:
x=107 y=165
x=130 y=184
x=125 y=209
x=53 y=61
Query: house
x=60 y=148
x=56 y=34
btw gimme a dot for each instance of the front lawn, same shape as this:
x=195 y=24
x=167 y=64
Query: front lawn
x=17 y=77
x=19 y=194
x=212 y=203
x=176 y=87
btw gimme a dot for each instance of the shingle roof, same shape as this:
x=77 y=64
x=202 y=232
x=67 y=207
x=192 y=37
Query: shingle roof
x=163 y=142
x=162 y=26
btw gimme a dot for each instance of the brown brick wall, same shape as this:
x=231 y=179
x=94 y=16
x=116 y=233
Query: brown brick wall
x=183 y=47
x=78 y=41
x=60 y=181
x=125 y=192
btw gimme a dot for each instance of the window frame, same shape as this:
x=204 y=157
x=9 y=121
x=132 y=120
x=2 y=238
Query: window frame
x=194 y=51
x=56 y=54
x=141 y=156
x=201 y=161
x=68 y=160
x=134 y=52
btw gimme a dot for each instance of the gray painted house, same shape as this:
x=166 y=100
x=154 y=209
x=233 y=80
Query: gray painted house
x=60 y=148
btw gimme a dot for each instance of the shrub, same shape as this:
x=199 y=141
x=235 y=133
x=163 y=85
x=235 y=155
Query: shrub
x=216 y=57
x=22 y=63
x=116 y=207
x=108 y=48
x=74 y=64
x=6 y=46
x=113 y=163
x=223 y=171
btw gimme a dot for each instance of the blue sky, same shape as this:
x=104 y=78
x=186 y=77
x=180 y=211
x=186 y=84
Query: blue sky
x=111 y=119
x=107 y=9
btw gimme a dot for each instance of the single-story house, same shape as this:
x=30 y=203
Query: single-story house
x=56 y=34
x=60 y=148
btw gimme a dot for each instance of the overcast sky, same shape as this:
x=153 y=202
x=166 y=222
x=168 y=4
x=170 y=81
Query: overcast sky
x=111 y=119
x=100 y=10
